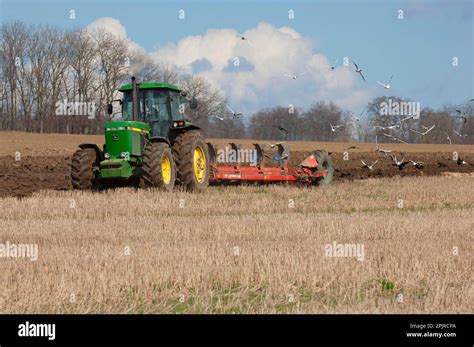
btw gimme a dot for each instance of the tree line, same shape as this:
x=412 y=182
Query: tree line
x=42 y=67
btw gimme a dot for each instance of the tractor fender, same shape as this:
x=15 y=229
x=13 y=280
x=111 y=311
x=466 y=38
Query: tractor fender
x=98 y=152
x=160 y=139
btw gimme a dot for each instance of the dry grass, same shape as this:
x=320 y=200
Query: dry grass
x=185 y=260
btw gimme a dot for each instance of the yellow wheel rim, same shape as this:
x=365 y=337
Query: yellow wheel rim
x=199 y=163
x=166 y=169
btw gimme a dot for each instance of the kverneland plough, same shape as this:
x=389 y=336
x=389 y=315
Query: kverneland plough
x=315 y=168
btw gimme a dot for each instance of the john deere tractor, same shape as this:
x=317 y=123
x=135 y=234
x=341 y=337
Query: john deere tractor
x=153 y=144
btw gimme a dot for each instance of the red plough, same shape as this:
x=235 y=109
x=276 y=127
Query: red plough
x=316 y=168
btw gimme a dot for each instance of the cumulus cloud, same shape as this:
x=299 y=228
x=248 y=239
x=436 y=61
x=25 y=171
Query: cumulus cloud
x=259 y=79
x=114 y=27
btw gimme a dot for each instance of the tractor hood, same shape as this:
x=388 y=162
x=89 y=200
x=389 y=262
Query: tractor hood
x=125 y=139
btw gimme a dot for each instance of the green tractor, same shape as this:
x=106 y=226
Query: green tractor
x=153 y=145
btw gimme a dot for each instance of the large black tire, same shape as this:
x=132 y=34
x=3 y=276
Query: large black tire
x=184 y=148
x=158 y=166
x=325 y=163
x=82 y=176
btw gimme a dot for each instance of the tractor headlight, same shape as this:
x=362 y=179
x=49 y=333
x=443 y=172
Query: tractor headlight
x=123 y=155
x=106 y=155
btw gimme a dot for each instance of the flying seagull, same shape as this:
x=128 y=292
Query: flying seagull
x=386 y=85
x=463 y=117
x=333 y=66
x=295 y=76
x=378 y=149
x=281 y=128
x=390 y=127
x=273 y=145
x=220 y=118
x=370 y=167
x=394 y=138
x=407 y=118
x=417 y=164
x=400 y=163
x=357 y=118
x=359 y=71
x=234 y=114
x=459 y=134
x=334 y=128
x=243 y=38
x=449 y=139
x=426 y=132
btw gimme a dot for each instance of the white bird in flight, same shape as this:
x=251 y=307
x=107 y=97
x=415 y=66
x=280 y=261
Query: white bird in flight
x=386 y=85
x=357 y=118
x=399 y=163
x=390 y=127
x=378 y=149
x=426 y=132
x=417 y=164
x=295 y=76
x=220 y=118
x=243 y=38
x=234 y=114
x=449 y=139
x=359 y=70
x=334 y=128
x=459 y=134
x=407 y=118
x=370 y=167
x=394 y=138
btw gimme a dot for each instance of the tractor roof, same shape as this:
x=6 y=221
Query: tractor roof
x=150 y=85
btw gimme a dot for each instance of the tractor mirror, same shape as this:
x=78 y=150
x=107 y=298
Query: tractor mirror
x=193 y=104
x=184 y=94
x=109 y=109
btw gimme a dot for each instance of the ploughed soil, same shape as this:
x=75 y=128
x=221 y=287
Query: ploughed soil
x=44 y=159
x=22 y=177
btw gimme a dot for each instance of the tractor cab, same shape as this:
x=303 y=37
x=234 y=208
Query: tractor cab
x=158 y=105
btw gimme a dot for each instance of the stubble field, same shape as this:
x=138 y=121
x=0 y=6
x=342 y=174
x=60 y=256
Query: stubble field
x=242 y=249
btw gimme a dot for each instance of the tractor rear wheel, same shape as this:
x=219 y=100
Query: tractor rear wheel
x=82 y=175
x=192 y=161
x=158 y=166
x=325 y=163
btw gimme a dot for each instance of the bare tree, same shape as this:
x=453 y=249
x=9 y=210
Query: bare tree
x=114 y=59
x=12 y=50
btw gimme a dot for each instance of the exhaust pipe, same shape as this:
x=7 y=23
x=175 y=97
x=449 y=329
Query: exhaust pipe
x=135 y=107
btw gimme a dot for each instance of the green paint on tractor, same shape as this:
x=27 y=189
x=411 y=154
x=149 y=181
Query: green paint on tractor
x=150 y=85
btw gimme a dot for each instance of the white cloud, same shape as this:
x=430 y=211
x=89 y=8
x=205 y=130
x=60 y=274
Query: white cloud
x=114 y=27
x=272 y=52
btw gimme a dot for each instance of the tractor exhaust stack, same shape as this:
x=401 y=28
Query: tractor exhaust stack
x=135 y=109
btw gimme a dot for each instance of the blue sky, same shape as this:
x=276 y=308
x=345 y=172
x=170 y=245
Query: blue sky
x=417 y=50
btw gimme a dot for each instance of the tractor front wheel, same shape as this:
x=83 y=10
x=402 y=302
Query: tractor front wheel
x=158 y=166
x=192 y=161
x=82 y=175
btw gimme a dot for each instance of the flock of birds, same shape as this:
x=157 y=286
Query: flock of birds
x=401 y=164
